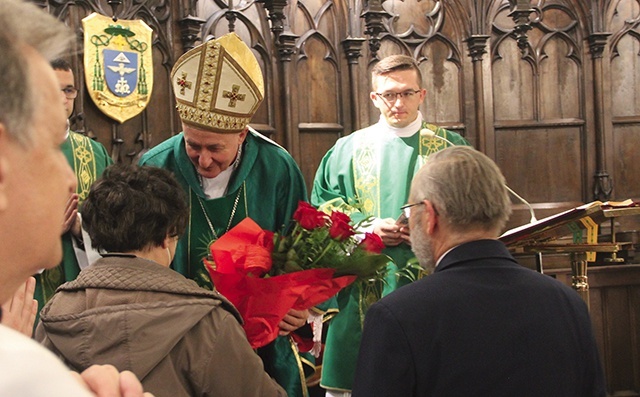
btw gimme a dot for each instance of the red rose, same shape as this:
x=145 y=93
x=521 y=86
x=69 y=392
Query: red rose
x=340 y=228
x=337 y=216
x=372 y=243
x=308 y=217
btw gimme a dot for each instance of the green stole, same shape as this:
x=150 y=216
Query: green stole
x=382 y=166
x=82 y=159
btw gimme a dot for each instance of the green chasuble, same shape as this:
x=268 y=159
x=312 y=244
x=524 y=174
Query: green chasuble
x=368 y=173
x=266 y=187
x=88 y=159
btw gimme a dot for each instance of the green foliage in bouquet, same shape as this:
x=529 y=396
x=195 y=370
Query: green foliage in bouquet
x=318 y=240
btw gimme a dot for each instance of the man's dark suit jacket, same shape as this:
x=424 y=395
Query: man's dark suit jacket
x=480 y=325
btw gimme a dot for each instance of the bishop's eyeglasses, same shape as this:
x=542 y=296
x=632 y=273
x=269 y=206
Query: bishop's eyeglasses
x=391 y=97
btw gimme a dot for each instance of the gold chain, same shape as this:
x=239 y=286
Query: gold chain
x=233 y=213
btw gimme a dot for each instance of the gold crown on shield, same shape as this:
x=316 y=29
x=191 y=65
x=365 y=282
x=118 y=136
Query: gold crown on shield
x=218 y=85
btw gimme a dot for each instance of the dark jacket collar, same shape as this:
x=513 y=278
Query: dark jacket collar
x=474 y=251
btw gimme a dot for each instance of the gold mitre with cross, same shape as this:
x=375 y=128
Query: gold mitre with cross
x=218 y=85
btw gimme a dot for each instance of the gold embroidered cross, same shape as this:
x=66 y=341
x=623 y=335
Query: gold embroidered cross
x=233 y=95
x=183 y=83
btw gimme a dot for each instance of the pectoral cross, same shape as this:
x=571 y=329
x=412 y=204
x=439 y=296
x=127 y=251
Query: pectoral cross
x=183 y=83
x=233 y=95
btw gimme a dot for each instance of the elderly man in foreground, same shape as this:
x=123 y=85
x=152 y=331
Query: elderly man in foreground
x=480 y=324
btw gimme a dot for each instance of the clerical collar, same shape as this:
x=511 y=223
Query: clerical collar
x=216 y=187
x=403 y=132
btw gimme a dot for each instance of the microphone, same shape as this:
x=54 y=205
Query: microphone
x=428 y=133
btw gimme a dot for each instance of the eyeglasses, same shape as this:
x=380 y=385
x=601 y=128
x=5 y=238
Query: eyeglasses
x=391 y=97
x=70 y=92
x=406 y=209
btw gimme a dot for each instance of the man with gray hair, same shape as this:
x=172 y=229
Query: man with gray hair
x=480 y=324
x=35 y=183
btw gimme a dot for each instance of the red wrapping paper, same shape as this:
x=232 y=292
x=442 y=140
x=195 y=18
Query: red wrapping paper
x=242 y=256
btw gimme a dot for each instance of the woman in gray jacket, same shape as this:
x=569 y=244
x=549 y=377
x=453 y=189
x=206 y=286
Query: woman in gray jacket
x=129 y=309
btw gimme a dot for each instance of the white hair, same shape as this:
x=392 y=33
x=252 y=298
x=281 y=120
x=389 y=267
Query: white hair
x=47 y=36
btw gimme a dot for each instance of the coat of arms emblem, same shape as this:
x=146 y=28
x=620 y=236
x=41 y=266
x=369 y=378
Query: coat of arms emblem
x=118 y=65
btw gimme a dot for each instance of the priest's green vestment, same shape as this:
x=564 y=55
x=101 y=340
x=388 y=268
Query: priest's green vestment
x=368 y=173
x=266 y=186
x=88 y=159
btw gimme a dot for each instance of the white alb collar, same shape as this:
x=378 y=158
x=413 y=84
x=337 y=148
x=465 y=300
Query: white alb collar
x=403 y=132
x=216 y=187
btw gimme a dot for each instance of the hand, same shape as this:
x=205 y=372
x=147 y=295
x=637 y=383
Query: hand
x=20 y=311
x=106 y=381
x=71 y=214
x=391 y=233
x=292 y=321
x=405 y=234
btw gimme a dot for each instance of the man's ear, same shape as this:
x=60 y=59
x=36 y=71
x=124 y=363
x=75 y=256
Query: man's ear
x=431 y=217
x=243 y=135
x=423 y=94
x=4 y=167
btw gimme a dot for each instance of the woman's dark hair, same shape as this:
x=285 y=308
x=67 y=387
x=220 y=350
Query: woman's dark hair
x=133 y=207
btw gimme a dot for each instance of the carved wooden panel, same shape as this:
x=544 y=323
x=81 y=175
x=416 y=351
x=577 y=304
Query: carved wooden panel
x=318 y=95
x=625 y=98
x=513 y=84
x=527 y=161
x=541 y=92
x=614 y=298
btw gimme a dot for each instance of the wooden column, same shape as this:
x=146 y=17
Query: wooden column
x=353 y=50
x=477 y=48
x=286 y=49
x=603 y=184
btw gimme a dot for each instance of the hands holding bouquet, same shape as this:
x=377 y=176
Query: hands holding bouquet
x=266 y=274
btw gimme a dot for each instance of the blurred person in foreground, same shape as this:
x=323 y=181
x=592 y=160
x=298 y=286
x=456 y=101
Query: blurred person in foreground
x=481 y=324
x=230 y=171
x=137 y=313
x=35 y=184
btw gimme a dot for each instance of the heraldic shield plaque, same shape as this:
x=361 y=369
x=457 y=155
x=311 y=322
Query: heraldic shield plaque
x=118 y=66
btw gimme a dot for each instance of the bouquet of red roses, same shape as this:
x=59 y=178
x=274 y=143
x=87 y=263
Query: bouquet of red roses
x=265 y=274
